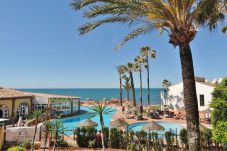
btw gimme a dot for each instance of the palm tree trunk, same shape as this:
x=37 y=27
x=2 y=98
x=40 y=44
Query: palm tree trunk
x=141 y=93
x=127 y=94
x=55 y=140
x=33 y=140
x=133 y=89
x=102 y=135
x=120 y=90
x=148 y=82
x=190 y=97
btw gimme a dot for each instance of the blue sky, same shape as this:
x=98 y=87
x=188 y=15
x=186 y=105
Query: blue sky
x=40 y=48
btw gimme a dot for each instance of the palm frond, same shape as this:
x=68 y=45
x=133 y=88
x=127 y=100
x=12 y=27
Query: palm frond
x=91 y=26
x=135 y=33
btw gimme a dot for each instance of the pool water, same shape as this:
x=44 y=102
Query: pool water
x=70 y=123
x=169 y=126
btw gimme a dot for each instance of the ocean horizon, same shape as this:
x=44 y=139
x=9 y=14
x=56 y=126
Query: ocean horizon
x=99 y=93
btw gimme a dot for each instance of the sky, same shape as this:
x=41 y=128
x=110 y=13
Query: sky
x=40 y=47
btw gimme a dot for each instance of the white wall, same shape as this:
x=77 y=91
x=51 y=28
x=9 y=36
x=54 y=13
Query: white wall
x=40 y=100
x=175 y=95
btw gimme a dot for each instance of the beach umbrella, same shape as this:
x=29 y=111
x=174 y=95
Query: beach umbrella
x=148 y=108
x=207 y=110
x=152 y=126
x=118 y=123
x=87 y=123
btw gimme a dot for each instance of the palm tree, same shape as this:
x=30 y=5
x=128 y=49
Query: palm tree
x=35 y=115
x=139 y=62
x=47 y=124
x=166 y=84
x=179 y=18
x=130 y=68
x=99 y=109
x=224 y=29
x=56 y=128
x=147 y=53
x=120 y=71
x=127 y=85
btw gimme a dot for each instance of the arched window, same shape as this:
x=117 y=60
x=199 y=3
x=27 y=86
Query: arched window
x=4 y=111
x=22 y=110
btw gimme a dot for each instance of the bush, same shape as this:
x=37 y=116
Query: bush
x=169 y=140
x=115 y=138
x=16 y=148
x=26 y=144
x=206 y=136
x=220 y=132
x=183 y=137
x=106 y=136
x=79 y=138
x=91 y=143
x=62 y=143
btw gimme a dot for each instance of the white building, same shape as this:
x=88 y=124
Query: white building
x=174 y=96
x=67 y=105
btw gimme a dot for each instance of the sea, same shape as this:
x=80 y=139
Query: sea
x=101 y=93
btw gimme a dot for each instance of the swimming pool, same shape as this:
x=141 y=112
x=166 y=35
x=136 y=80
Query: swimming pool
x=70 y=123
x=169 y=126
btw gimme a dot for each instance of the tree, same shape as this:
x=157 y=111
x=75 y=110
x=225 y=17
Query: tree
x=219 y=103
x=219 y=132
x=47 y=124
x=179 y=18
x=99 y=109
x=127 y=85
x=138 y=67
x=35 y=115
x=224 y=29
x=147 y=53
x=130 y=68
x=166 y=84
x=120 y=71
x=56 y=128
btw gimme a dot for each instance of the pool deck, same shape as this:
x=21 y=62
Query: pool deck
x=119 y=114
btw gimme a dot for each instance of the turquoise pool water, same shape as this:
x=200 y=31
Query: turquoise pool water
x=169 y=126
x=71 y=123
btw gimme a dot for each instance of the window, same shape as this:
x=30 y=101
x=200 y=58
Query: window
x=4 y=111
x=22 y=110
x=201 y=100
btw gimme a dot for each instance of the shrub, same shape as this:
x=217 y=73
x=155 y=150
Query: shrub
x=169 y=140
x=114 y=138
x=62 y=143
x=206 y=136
x=91 y=143
x=16 y=148
x=106 y=136
x=79 y=138
x=26 y=144
x=220 y=132
x=183 y=137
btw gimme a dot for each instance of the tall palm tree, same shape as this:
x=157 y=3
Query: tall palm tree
x=147 y=53
x=35 y=115
x=56 y=128
x=130 y=68
x=120 y=71
x=99 y=109
x=179 y=18
x=139 y=60
x=127 y=85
